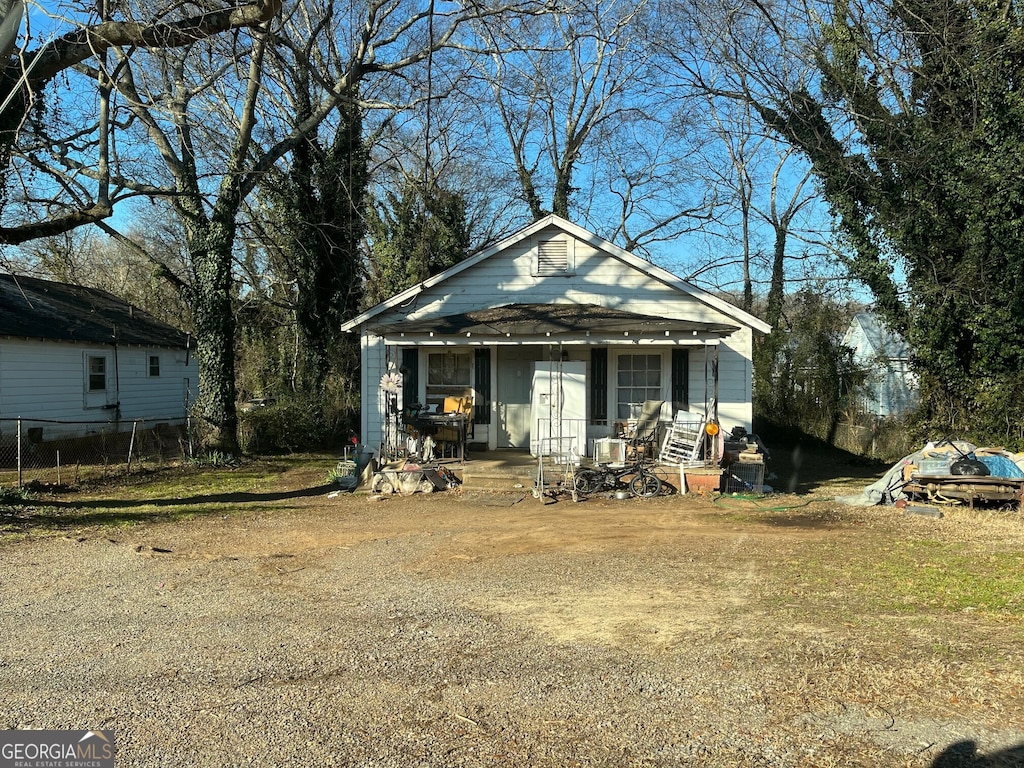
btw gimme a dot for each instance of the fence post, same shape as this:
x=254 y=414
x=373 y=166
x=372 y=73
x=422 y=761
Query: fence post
x=131 y=445
x=19 y=452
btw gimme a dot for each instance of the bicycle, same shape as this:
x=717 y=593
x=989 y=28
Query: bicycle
x=606 y=477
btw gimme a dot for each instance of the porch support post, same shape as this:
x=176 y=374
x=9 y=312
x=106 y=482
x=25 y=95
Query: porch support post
x=714 y=406
x=492 y=429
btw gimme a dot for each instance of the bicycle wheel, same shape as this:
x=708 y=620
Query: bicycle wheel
x=645 y=484
x=587 y=481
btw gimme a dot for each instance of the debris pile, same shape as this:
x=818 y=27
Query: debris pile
x=945 y=473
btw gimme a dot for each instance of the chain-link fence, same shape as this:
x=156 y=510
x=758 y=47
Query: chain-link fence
x=53 y=452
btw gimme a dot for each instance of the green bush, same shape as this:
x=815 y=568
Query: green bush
x=295 y=424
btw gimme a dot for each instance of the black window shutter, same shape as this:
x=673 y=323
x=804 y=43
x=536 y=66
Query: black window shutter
x=680 y=379
x=599 y=383
x=482 y=372
x=410 y=375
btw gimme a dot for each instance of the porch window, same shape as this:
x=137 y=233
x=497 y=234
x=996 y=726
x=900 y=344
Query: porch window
x=449 y=375
x=639 y=379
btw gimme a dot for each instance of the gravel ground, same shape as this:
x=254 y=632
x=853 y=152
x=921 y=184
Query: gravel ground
x=480 y=631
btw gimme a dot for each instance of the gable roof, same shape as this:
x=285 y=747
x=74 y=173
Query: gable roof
x=31 y=308
x=878 y=339
x=583 y=235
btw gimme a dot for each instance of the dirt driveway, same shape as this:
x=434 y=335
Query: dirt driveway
x=289 y=628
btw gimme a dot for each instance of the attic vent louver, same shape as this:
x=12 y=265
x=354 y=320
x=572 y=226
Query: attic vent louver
x=552 y=257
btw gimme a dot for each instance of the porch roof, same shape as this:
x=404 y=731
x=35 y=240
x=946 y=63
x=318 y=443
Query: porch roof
x=550 y=319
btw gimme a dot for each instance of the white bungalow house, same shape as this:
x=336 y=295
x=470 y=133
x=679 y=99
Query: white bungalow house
x=78 y=361
x=555 y=297
x=891 y=387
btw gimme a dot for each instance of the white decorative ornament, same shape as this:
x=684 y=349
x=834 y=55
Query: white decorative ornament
x=391 y=383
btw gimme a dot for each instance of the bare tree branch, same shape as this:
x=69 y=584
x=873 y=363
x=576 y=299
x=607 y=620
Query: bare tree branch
x=85 y=43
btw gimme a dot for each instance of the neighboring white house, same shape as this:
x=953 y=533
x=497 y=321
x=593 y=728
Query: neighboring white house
x=891 y=388
x=73 y=354
x=554 y=292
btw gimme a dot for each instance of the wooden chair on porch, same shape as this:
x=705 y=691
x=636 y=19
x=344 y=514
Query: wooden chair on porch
x=643 y=442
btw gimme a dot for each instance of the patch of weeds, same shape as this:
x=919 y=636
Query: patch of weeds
x=13 y=495
x=214 y=459
x=936 y=576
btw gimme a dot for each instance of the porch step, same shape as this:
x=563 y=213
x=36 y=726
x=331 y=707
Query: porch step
x=495 y=482
x=504 y=475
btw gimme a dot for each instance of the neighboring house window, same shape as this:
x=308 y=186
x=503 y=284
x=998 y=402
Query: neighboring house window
x=449 y=375
x=639 y=379
x=554 y=257
x=97 y=373
x=154 y=365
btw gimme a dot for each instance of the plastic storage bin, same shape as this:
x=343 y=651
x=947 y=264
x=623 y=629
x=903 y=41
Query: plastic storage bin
x=935 y=467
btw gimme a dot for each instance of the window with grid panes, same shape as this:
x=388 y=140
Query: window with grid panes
x=97 y=373
x=639 y=379
x=449 y=374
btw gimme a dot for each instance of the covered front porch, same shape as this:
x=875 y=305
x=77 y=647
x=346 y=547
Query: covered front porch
x=533 y=377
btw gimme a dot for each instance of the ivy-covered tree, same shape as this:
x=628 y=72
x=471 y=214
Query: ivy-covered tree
x=318 y=220
x=917 y=139
x=414 y=234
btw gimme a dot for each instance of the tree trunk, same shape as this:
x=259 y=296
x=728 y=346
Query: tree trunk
x=214 y=320
x=771 y=386
x=777 y=289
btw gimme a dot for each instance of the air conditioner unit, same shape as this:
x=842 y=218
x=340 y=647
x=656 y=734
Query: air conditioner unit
x=610 y=450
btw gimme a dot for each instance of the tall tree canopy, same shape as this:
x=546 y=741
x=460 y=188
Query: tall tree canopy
x=216 y=115
x=414 y=235
x=916 y=136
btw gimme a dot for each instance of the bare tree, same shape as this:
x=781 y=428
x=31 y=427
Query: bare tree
x=212 y=111
x=81 y=128
x=572 y=93
x=122 y=265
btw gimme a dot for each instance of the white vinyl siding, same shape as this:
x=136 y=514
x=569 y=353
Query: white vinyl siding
x=597 y=277
x=51 y=380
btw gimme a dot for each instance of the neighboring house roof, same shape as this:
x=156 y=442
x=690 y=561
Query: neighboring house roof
x=31 y=308
x=583 y=235
x=879 y=341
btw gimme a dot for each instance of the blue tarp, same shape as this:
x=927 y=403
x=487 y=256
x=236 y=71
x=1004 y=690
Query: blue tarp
x=1001 y=466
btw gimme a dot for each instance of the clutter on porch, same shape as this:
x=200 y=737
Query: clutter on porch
x=640 y=449
x=416 y=439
